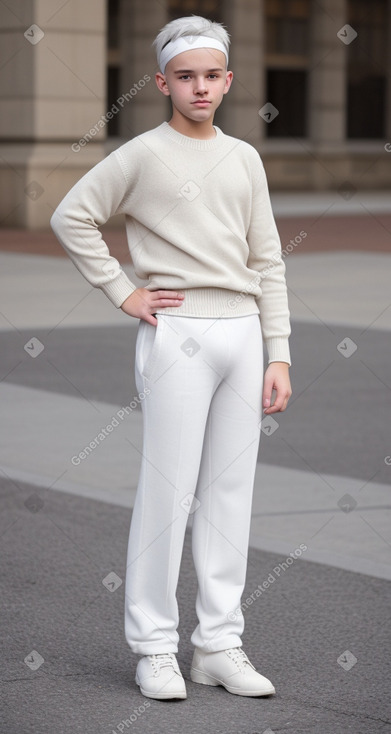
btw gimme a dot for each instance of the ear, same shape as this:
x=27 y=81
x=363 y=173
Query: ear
x=228 y=81
x=161 y=83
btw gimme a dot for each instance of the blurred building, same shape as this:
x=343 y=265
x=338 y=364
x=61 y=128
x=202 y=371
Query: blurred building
x=311 y=91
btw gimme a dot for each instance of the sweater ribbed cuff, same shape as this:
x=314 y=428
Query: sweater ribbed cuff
x=278 y=349
x=119 y=289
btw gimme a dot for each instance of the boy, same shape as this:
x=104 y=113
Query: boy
x=201 y=230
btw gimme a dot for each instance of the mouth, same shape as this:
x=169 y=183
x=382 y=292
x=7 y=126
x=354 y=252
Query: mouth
x=201 y=102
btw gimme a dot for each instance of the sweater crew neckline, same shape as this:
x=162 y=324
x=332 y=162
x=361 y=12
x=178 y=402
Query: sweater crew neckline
x=193 y=143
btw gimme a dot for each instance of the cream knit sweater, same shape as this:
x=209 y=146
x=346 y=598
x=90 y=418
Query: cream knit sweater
x=198 y=219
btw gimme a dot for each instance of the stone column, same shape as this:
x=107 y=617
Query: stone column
x=239 y=110
x=53 y=90
x=327 y=76
x=145 y=107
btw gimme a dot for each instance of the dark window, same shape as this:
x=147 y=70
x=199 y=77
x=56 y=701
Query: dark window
x=287 y=90
x=366 y=69
x=112 y=95
x=113 y=23
x=207 y=8
x=286 y=62
x=113 y=68
x=287 y=26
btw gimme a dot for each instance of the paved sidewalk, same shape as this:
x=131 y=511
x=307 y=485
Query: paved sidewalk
x=320 y=628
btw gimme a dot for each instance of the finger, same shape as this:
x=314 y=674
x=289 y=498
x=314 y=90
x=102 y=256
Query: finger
x=267 y=393
x=166 y=303
x=170 y=295
x=273 y=409
x=150 y=319
x=279 y=405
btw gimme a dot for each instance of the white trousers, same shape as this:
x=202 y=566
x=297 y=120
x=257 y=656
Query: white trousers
x=201 y=429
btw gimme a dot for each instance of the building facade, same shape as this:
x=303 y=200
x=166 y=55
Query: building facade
x=311 y=91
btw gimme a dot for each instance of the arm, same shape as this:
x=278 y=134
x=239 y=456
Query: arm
x=265 y=258
x=96 y=197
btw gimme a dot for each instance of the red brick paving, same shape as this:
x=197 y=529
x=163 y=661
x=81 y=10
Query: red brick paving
x=368 y=233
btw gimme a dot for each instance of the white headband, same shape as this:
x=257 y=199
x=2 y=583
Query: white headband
x=188 y=43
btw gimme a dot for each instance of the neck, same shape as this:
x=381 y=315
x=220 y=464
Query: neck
x=199 y=130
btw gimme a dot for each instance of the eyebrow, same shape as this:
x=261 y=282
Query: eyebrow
x=188 y=71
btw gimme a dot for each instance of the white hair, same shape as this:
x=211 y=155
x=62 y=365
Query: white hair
x=191 y=25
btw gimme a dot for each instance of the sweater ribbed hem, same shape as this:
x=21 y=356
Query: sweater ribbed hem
x=213 y=303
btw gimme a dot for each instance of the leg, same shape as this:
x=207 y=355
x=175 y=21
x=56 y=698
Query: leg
x=169 y=364
x=221 y=524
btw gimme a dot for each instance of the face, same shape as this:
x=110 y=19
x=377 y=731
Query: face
x=196 y=81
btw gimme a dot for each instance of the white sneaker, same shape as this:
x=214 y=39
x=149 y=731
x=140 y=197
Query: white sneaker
x=159 y=676
x=231 y=669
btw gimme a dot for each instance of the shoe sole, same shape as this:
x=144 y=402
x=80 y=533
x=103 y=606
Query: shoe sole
x=162 y=695
x=198 y=676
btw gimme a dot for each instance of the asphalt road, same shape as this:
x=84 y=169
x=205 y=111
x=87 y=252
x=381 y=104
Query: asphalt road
x=321 y=634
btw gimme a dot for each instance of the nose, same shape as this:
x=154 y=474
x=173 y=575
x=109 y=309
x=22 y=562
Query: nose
x=200 y=85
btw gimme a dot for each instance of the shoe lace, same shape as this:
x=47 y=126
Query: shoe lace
x=161 y=660
x=238 y=655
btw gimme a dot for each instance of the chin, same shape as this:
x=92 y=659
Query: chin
x=206 y=112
